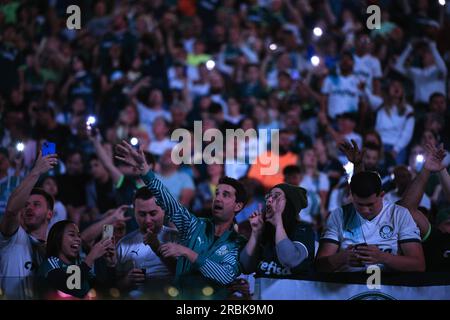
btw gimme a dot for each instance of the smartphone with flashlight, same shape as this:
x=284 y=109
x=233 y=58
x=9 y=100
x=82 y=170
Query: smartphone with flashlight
x=418 y=162
x=108 y=231
x=91 y=125
x=135 y=143
x=48 y=148
x=20 y=148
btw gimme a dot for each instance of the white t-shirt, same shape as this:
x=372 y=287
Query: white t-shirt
x=159 y=147
x=147 y=116
x=59 y=214
x=313 y=185
x=393 y=197
x=343 y=94
x=395 y=129
x=366 y=68
x=235 y=169
x=316 y=184
x=392 y=226
x=19 y=260
x=177 y=182
x=132 y=252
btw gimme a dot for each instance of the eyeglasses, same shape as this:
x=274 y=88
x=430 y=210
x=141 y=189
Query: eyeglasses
x=275 y=196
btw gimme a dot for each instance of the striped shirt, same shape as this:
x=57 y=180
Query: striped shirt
x=218 y=259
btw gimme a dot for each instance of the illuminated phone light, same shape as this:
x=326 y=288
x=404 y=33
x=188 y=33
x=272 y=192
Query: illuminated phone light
x=134 y=141
x=315 y=60
x=442 y=2
x=317 y=32
x=20 y=147
x=210 y=64
x=349 y=167
x=273 y=46
x=91 y=120
x=420 y=158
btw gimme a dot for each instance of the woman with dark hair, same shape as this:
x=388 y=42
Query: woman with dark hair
x=63 y=250
x=279 y=244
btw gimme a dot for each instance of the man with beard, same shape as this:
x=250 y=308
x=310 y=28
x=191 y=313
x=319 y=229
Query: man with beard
x=23 y=232
x=138 y=255
x=208 y=249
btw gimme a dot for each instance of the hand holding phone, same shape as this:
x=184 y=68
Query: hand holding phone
x=108 y=231
x=360 y=245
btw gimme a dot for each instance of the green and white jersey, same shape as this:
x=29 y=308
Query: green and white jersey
x=218 y=258
x=58 y=280
x=392 y=226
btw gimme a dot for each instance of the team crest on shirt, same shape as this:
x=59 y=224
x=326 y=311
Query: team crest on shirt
x=386 y=232
x=223 y=250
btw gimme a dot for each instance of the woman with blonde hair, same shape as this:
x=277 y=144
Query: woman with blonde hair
x=395 y=122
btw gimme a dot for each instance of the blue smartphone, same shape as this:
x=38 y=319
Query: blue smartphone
x=48 y=148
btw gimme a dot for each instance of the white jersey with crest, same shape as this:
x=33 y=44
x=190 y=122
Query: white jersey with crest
x=391 y=227
x=20 y=256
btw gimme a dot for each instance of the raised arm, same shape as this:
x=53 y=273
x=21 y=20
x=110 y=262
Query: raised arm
x=249 y=255
x=19 y=197
x=414 y=193
x=353 y=154
x=179 y=215
x=92 y=232
x=400 y=64
x=437 y=58
x=105 y=158
x=433 y=163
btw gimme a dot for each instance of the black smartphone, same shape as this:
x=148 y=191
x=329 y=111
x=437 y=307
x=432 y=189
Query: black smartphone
x=360 y=245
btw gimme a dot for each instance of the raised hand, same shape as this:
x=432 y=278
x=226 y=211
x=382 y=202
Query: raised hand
x=352 y=152
x=257 y=221
x=132 y=157
x=118 y=214
x=99 y=250
x=434 y=157
x=44 y=164
x=151 y=239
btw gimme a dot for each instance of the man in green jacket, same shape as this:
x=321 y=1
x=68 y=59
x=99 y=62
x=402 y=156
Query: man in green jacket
x=208 y=248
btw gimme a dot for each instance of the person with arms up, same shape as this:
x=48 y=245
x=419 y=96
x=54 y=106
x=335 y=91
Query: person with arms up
x=23 y=232
x=208 y=249
x=63 y=251
x=436 y=238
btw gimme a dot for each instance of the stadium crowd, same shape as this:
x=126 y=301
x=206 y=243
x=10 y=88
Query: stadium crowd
x=363 y=123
